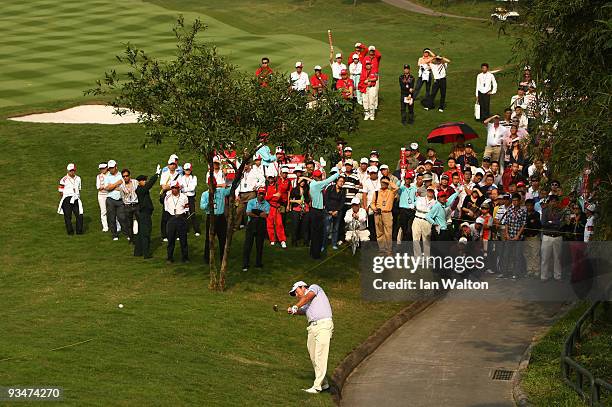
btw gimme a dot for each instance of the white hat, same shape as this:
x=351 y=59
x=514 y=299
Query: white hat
x=279 y=149
x=463 y=240
x=174 y=184
x=338 y=55
x=358 y=44
x=384 y=167
x=465 y=224
x=296 y=285
x=102 y=165
x=348 y=148
x=187 y=166
x=298 y=64
x=317 y=67
x=429 y=162
x=355 y=56
x=479 y=171
x=285 y=169
x=71 y=167
x=111 y=163
x=216 y=159
x=374 y=159
x=591 y=207
x=364 y=160
x=480 y=220
x=372 y=169
x=371 y=48
x=170 y=161
x=298 y=167
x=173 y=157
x=257 y=157
x=517 y=138
x=414 y=146
x=355 y=201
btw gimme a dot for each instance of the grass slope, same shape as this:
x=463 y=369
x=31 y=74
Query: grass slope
x=175 y=342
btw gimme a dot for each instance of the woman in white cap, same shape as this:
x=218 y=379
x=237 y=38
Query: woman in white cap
x=319 y=81
x=102 y=193
x=189 y=184
x=336 y=66
x=299 y=79
x=355 y=69
x=70 y=190
x=424 y=73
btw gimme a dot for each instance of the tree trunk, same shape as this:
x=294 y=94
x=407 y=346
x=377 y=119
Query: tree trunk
x=212 y=265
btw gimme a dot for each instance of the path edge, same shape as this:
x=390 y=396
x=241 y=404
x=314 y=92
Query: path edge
x=367 y=347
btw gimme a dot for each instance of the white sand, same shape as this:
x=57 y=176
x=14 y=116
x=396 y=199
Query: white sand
x=85 y=114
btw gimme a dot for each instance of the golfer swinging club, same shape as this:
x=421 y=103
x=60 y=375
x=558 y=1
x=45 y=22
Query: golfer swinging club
x=313 y=302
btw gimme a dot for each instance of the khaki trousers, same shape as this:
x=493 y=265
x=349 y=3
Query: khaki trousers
x=319 y=337
x=492 y=152
x=241 y=206
x=532 y=255
x=102 y=204
x=551 y=257
x=384 y=228
x=370 y=100
x=421 y=230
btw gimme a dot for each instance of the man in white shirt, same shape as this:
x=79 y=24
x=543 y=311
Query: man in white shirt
x=362 y=170
x=102 y=193
x=164 y=181
x=371 y=185
x=70 y=202
x=438 y=68
x=355 y=69
x=114 y=204
x=252 y=179
x=130 y=202
x=189 y=184
x=486 y=85
x=358 y=214
x=421 y=228
x=519 y=99
x=336 y=66
x=218 y=173
x=176 y=205
x=299 y=79
x=495 y=136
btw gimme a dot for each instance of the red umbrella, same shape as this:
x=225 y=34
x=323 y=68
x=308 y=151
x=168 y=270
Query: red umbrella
x=448 y=133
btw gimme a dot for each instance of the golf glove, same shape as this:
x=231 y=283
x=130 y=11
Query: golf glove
x=158 y=170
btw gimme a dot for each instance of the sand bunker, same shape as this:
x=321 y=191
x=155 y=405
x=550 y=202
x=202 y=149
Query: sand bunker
x=85 y=114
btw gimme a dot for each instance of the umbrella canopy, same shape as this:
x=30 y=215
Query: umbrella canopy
x=448 y=133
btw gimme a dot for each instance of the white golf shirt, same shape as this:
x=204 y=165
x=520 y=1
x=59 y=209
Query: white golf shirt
x=176 y=205
x=299 y=81
x=188 y=184
x=438 y=70
x=336 y=69
x=100 y=184
x=485 y=83
x=495 y=135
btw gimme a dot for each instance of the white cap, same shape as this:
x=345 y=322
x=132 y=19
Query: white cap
x=358 y=44
x=384 y=167
x=591 y=207
x=348 y=148
x=374 y=159
x=102 y=165
x=285 y=169
x=355 y=56
x=173 y=157
x=111 y=163
x=216 y=159
x=480 y=220
x=429 y=162
x=170 y=161
x=414 y=146
x=338 y=55
x=517 y=138
x=298 y=167
x=256 y=157
x=298 y=64
x=364 y=160
x=187 y=166
x=355 y=201
x=463 y=240
x=371 y=48
x=372 y=169
x=71 y=167
x=296 y=285
x=317 y=67
x=174 y=184
x=479 y=171
x=465 y=224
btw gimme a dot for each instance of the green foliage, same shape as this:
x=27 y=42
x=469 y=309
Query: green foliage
x=567 y=44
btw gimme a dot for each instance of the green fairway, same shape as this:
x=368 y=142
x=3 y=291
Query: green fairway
x=175 y=342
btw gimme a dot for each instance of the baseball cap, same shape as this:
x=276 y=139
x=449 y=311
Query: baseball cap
x=317 y=173
x=465 y=224
x=173 y=157
x=257 y=157
x=355 y=201
x=279 y=149
x=348 y=148
x=371 y=48
x=409 y=175
x=299 y=168
x=112 y=163
x=317 y=67
x=297 y=285
x=174 y=184
x=358 y=44
x=463 y=240
x=350 y=162
x=170 y=161
x=364 y=160
x=355 y=56
x=372 y=169
x=479 y=171
x=427 y=176
x=520 y=184
x=591 y=207
x=444 y=176
x=414 y=146
x=486 y=159
x=216 y=159
x=374 y=159
x=343 y=72
x=71 y=167
x=285 y=169
x=406 y=66
x=298 y=64
x=102 y=165
x=374 y=152
x=187 y=166
x=470 y=145
x=429 y=162
x=480 y=220
x=384 y=167
x=338 y=55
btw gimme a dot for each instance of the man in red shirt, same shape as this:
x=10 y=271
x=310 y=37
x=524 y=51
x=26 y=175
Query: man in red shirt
x=360 y=50
x=375 y=56
x=345 y=85
x=318 y=81
x=367 y=86
x=264 y=71
x=511 y=175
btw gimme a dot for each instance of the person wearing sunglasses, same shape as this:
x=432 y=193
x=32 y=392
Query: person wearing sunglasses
x=264 y=72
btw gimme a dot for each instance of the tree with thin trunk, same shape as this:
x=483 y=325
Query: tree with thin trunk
x=208 y=107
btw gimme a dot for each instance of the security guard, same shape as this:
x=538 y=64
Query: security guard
x=142 y=245
x=177 y=206
x=406 y=82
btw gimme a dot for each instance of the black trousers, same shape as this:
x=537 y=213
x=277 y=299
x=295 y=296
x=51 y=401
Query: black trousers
x=193 y=220
x=438 y=85
x=406 y=216
x=114 y=214
x=177 y=227
x=484 y=100
x=372 y=227
x=164 y=223
x=317 y=229
x=299 y=226
x=142 y=244
x=419 y=84
x=68 y=209
x=342 y=225
x=403 y=107
x=130 y=212
x=255 y=232
x=220 y=231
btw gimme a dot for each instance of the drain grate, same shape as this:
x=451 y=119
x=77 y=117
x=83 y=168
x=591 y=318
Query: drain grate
x=502 y=374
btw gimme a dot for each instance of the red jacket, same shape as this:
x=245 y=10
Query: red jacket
x=345 y=86
x=263 y=74
x=318 y=82
x=282 y=186
x=363 y=87
x=375 y=59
